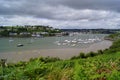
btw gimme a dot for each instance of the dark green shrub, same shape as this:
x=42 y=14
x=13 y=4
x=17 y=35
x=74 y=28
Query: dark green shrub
x=74 y=57
x=82 y=55
x=100 y=52
x=49 y=59
x=32 y=59
x=91 y=54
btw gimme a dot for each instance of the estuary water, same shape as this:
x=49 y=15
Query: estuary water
x=10 y=44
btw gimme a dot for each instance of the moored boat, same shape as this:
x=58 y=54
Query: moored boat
x=20 y=45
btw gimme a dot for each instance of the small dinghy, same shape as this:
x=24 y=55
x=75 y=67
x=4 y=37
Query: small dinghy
x=20 y=45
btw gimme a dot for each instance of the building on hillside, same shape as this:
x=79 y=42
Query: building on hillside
x=13 y=34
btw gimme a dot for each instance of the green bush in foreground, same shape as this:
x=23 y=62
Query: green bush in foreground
x=102 y=67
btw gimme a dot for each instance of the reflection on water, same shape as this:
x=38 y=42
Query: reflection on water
x=77 y=41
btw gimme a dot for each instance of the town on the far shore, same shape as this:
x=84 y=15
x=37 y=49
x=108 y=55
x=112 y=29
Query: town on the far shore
x=44 y=31
x=29 y=31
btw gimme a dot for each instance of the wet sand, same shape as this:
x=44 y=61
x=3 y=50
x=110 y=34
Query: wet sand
x=61 y=53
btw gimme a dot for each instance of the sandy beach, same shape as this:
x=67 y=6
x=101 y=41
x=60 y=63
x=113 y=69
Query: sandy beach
x=61 y=53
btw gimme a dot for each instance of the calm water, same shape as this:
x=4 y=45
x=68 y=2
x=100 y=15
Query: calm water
x=10 y=44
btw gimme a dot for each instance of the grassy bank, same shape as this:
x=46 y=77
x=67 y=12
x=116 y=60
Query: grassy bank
x=100 y=67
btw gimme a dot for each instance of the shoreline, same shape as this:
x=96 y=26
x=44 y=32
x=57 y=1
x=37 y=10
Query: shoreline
x=66 y=53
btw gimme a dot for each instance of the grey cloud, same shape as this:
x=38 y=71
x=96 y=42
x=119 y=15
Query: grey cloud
x=25 y=7
x=34 y=7
x=94 y=4
x=72 y=13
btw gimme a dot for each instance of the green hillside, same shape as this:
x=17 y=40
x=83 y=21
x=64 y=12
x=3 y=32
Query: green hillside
x=103 y=65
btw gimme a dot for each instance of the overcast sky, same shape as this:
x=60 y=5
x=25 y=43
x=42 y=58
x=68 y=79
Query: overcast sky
x=77 y=14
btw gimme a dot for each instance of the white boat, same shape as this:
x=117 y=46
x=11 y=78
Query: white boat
x=74 y=41
x=73 y=45
x=20 y=45
x=11 y=40
x=64 y=43
x=58 y=44
x=67 y=41
x=86 y=42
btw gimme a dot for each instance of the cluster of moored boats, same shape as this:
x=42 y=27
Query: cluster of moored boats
x=70 y=42
x=75 y=41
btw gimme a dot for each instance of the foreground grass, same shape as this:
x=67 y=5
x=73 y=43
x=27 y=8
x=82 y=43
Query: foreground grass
x=102 y=67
